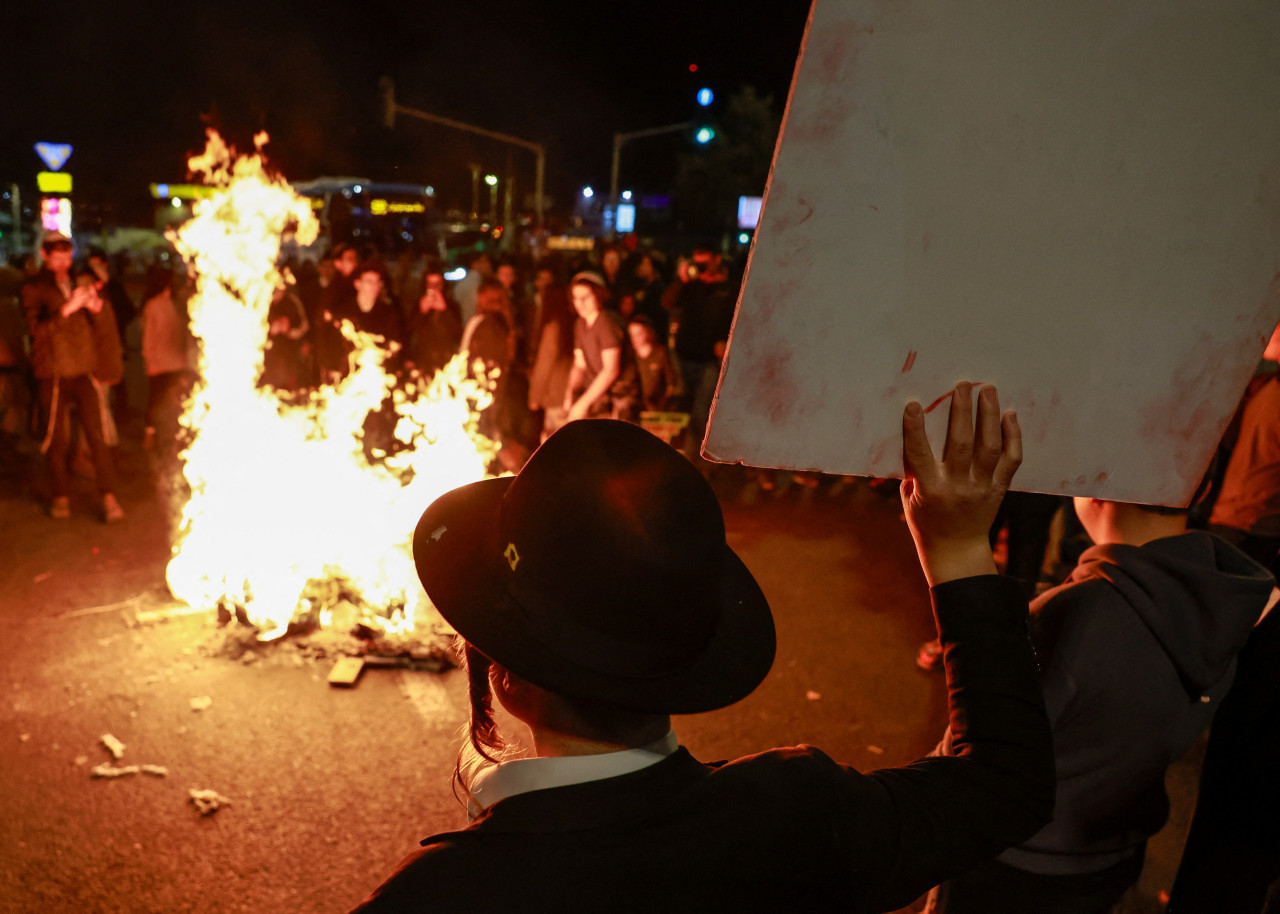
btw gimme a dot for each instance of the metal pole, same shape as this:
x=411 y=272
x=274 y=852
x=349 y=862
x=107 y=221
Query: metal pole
x=508 y=217
x=613 y=184
x=540 y=169
x=536 y=148
x=15 y=201
x=618 y=140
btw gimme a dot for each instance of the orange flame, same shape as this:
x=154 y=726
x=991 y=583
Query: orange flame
x=282 y=496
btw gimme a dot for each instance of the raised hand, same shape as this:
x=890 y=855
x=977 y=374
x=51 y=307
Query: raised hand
x=951 y=504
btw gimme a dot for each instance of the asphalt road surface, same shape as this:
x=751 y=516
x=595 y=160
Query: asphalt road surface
x=328 y=788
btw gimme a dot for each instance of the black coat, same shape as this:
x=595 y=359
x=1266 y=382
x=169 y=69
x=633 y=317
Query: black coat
x=785 y=830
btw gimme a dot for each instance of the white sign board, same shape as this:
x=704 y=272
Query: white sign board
x=1076 y=200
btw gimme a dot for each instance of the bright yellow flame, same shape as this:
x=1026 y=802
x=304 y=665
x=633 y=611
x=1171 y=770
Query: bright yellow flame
x=282 y=496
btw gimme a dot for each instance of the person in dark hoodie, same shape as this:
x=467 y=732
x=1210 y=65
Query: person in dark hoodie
x=1231 y=861
x=1137 y=649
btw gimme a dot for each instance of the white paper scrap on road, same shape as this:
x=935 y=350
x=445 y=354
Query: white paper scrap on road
x=1078 y=201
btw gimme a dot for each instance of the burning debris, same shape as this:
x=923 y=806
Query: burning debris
x=288 y=521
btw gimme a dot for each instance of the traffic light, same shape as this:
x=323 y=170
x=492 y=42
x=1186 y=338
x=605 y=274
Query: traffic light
x=703 y=132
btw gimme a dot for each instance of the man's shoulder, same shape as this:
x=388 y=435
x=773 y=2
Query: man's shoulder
x=39 y=282
x=440 y=870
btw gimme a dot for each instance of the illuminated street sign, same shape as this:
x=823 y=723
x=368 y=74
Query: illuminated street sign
x=54 y=155
x=55 y=215
x=54 y=182
x=183 y=191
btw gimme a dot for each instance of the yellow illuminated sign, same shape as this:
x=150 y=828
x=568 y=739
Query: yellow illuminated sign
x=53 y=182
x=181 y=191
x=570 y=243
x=380 y=207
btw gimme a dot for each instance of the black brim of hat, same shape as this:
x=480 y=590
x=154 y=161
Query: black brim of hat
x=458 y=553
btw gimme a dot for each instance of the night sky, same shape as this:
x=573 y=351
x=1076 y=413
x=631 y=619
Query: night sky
x=132 y=86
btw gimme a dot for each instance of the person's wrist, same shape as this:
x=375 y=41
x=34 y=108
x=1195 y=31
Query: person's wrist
x=950 y=560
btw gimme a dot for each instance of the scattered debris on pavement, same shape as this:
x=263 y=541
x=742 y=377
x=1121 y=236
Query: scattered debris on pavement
x=207 y=801
x=346 y=671
x=114 y=746
x=107 y=770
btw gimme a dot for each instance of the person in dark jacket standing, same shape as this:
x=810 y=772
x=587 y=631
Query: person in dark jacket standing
x=70 y=338
x=701 y=306
x=596 y=596
x=1139 y=648
x=435 y=326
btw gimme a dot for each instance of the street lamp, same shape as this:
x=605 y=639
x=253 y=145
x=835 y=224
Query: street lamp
x=492 y=181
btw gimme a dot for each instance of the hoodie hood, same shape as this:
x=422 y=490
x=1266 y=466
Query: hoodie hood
x=1199 y=596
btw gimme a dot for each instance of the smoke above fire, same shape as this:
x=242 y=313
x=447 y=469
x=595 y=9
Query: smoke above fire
x=284 y=505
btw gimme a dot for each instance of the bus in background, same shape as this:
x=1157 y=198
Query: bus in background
x=393 y=218
x=390 y=217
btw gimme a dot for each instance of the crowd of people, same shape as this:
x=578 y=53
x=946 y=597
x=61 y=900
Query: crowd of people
x=604 y=333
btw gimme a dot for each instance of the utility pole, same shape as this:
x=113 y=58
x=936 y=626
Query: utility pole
x=15 y=202
x=391 y=108
x=475 y=189
x=618 y=140
x=508 y=205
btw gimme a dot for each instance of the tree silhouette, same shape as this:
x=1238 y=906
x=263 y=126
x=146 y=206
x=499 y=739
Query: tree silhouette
x=735 y=163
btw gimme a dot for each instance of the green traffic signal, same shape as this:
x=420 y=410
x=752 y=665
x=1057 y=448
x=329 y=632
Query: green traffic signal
x=704 y=135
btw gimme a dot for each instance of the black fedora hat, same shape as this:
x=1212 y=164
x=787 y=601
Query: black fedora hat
x=600 y=572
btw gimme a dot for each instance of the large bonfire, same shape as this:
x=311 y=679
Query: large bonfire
x=284 y=506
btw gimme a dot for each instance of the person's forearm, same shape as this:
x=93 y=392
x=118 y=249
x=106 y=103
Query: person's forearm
x=995 y=700
x=574 y=384
x=998 y=789
x=598 y=387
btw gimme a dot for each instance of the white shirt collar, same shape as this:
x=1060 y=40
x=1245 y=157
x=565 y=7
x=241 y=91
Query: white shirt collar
x=517 y=776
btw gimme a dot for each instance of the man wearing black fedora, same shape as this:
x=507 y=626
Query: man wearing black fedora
x=595 y=596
